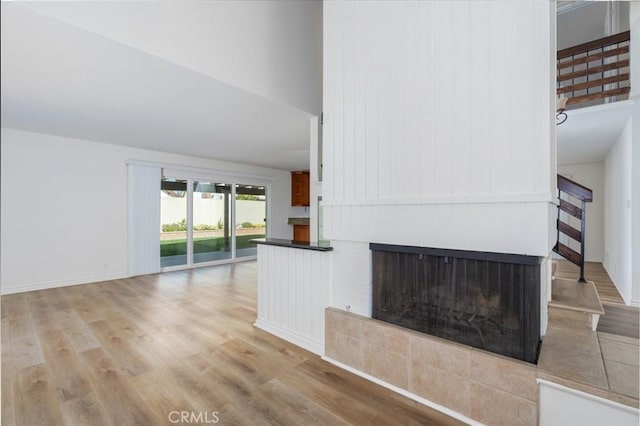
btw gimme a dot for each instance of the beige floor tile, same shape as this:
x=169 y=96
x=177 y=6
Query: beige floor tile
x=345 y=349
x=578 y=296
x=388 y=366
x=441 y=387
x=503 y=373
x=623 y=378
x=620 y=352
x=569 y=341
x=494 y=407
x=580 y=368
x=387 y=337
x=441 y=355
x=616 y=337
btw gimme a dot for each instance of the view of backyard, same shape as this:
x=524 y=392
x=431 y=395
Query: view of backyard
x=216 y=216
x=204 y=244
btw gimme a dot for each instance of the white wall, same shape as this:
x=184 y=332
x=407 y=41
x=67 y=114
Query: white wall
x=270 y=48
x=430 y=136
x=634 y=54
x=292 y=295
x=617 y=213
x=635 y=206
x=591 y=176
x=591 y=22
x=64 y=207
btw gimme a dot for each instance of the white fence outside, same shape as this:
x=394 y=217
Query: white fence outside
x=208 y=211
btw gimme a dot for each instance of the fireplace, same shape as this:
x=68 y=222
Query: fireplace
x=487 y=300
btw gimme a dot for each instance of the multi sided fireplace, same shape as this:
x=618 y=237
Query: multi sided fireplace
x=487 y=300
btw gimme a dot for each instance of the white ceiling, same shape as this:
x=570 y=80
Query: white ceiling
x=60 y=79
x=589 y=133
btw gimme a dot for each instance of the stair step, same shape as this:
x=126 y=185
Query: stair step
x=575 y=303
x=574 y=319
x=573 y=295
x=568 y=253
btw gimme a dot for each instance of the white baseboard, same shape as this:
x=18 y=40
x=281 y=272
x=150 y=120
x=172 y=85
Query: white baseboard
x=291 y=336
x=12 y=289
x=449 y=412
x=585 y=408
x=626 y=302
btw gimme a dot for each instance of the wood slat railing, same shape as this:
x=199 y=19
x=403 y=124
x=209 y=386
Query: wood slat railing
x=595 y=70
x=583 y=195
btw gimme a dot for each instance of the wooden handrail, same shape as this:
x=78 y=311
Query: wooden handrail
x=594 y=44
x=574 y=189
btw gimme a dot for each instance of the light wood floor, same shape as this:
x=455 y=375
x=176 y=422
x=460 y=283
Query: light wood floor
x=129 y=352
x=593 y=271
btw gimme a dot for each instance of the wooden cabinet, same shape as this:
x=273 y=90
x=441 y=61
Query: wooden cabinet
x=301 y=233
x=300 y=188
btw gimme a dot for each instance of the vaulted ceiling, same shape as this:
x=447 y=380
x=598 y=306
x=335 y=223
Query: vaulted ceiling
x=154 y=75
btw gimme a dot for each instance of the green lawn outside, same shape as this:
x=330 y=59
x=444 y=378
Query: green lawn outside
x=203 y=245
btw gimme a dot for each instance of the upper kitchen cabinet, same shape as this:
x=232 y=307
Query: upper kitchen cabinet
x=300 y=188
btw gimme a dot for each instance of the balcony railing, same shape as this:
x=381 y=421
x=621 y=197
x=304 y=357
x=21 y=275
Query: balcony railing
x=595 y=72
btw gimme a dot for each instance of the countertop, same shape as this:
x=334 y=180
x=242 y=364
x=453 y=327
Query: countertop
x=298 y=221
x=321 y=246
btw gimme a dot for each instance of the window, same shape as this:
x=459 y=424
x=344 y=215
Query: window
x=207 y=222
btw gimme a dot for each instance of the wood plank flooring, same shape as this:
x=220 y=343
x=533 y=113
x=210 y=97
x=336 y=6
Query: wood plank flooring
x=132 y=351
x=593 y=271
x=620 y=320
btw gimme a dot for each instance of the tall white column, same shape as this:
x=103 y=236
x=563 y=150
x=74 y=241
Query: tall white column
x=634 y=54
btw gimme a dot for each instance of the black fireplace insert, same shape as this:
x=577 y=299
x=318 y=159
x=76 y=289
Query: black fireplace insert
x=487 y=300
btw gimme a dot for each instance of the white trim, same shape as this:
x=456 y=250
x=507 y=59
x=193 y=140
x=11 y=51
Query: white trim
x=628 y=104
x=588 y=396
x=226 y=261
x=202 y=172
x=232 y=222
x=635 y=303
x=624 y=299
x=315 y=346
x=404 y=392
x=189 y=221
x=535 y=197
x=60 y=283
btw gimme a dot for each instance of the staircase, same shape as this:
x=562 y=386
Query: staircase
x=583 y=195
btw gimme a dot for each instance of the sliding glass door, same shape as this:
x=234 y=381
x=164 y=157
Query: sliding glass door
x=251 y=218
x=173 y=217
x=211 y=221
x=204 y=222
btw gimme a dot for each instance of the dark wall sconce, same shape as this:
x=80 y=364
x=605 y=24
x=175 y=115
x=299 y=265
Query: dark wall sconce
x=561 y=116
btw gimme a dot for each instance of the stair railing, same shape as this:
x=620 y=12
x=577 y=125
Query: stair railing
x=595 y=70
x=584 y=195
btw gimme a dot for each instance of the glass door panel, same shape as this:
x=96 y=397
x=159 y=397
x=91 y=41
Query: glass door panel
x=251 y=216
x=173 y=219
x=211 y=221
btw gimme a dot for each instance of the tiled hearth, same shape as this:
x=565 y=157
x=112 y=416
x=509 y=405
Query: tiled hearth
x=486 y=387
x=489 y=388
